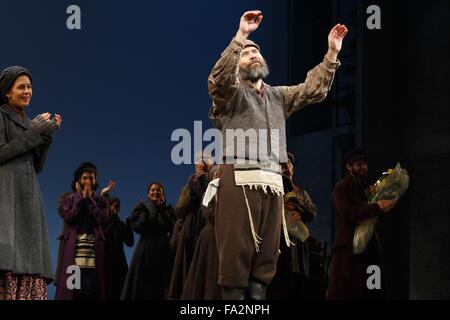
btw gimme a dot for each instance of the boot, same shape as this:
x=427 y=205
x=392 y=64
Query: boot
x=233 y=293
x=257 y=290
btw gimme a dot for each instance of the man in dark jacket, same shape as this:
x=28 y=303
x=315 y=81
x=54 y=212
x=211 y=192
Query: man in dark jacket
x=348 y=271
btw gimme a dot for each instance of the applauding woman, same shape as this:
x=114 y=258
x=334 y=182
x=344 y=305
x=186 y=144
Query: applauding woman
x=149 y=270
x=25 y=266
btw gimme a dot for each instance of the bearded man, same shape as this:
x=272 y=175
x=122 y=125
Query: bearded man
x=250 y=195
x=347 y=274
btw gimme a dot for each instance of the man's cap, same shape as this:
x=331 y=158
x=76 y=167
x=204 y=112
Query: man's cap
x=250 y=43
x=354 y=155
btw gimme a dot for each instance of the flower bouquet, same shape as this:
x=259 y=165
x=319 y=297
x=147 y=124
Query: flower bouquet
x=390 y=186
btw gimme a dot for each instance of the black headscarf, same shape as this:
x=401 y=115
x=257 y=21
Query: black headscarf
x=7 y=78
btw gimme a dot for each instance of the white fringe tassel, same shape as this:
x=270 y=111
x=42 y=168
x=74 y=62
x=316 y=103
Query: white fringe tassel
x=256 y=239
x=285 y=230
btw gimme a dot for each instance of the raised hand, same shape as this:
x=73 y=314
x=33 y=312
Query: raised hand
x=335 y=37
x=159 y=201
x=295 y=218
x=111 y=185
x=51 y=126
x=250 y=21
x=58 y=119
x=200 y=169
x=43 y=124
x=386 y=205
x=87 y=190
x=39 y=122
x=46 y=116
x=40 y=118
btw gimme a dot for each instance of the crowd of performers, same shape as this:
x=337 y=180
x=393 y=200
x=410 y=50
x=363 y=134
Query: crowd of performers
x=226 y=237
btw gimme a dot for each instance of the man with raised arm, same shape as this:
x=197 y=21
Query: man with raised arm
x=250 y=196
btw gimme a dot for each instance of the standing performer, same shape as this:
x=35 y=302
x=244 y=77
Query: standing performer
x=117 y=233
x=291 y=279
x=250 y=202
x=189 y=210
x=150 y=267
x=201 y=281
x=350 y=205
x=84 y=212
x=25 y=266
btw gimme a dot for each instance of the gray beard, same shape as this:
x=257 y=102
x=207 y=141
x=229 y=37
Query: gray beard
x=254 y=74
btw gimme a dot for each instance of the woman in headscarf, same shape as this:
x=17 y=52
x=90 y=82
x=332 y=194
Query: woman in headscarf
x=25 y=265
x=150 y=266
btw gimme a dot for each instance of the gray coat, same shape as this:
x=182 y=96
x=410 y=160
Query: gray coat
x=24 y=247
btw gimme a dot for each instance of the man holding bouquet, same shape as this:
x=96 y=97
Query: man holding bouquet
x=348 y=270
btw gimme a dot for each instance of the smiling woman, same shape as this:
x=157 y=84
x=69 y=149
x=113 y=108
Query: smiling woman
x=149 y=271
x=25 y=266
x=19 y=95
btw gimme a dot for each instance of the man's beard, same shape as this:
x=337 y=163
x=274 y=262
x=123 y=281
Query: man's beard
x=360 y=175
x=255 y=73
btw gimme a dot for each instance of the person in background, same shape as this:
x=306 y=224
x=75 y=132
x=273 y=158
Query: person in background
x=202 y=279
x=349 y=204
x=117 y=233
x=84 y=213
x=150 y=268
x=291 y=278
x=189 y=212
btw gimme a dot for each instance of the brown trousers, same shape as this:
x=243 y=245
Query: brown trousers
x=238 y=260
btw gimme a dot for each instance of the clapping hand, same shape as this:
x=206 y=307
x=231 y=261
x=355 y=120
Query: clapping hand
x=111 y=185
x=45 y=125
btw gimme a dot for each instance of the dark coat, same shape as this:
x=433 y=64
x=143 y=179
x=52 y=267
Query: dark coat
x=290 y=280
x=116 y=234
x=202 y=281
x=188 y=209
x=349 y=206
x=150 y=267
x=24 y=246
x=79 y=213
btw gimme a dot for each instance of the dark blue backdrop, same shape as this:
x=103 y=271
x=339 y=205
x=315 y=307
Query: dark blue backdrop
x=136 y=71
